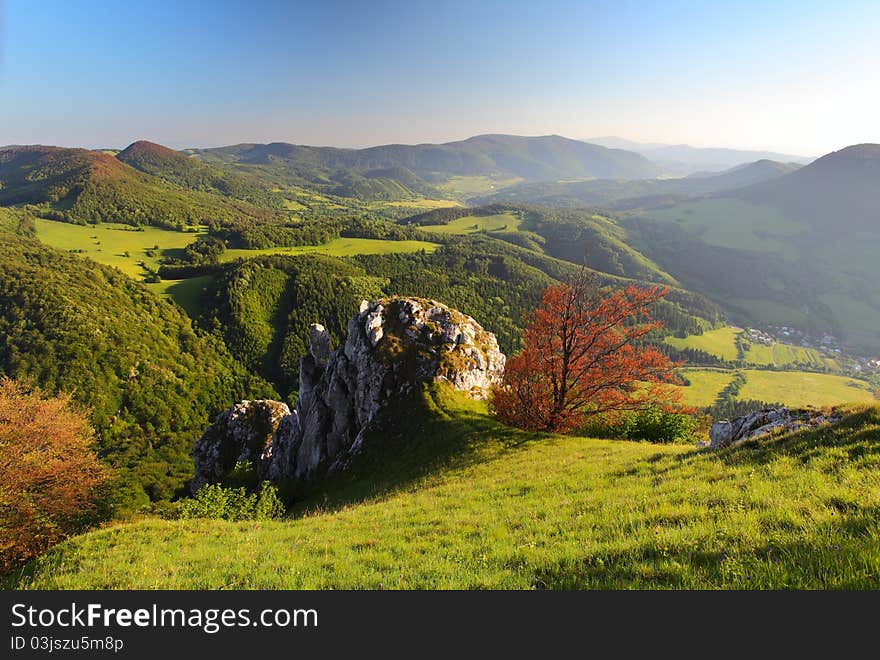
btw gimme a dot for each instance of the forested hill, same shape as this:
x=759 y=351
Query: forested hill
x=80 y=186
x=843 y=185
x=532 y=158
x=150 y=381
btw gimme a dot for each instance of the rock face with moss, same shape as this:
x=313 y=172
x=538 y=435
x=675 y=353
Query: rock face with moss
x=394 y=346
x=240 y=434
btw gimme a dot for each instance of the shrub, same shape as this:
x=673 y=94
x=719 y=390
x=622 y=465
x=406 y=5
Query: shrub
x=49 y=476
x=653 y=424
x=215 y=501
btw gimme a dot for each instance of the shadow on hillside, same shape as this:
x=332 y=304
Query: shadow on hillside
x=857 y=435
x=835 y=555
x=422 y=437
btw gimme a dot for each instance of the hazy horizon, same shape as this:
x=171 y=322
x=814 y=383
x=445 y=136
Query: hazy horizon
x=790 y=78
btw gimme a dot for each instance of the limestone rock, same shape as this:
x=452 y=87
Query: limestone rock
x=761 y=423
x=393 y=347
x=240 y=434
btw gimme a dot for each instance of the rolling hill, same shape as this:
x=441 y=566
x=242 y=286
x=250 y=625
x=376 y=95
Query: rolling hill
x=82 y=186
x=532 y=158
x=683 y=159
x=618 y=194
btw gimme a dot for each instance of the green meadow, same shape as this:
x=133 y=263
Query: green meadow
x=497 y=508
x=705 y=384
x=500 y=222
x=792 y=388
x=801 y=388
x=476 y=185
x=720 y=342
x=338 y=247
x=114 y=244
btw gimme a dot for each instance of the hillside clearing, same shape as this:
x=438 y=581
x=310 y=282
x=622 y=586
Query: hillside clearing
x=801 y=388
x=338 y=247
x=122 y=246
x=503 y=509
x=499 y=222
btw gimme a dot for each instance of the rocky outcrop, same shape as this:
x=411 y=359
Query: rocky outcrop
x=240 y=434
x=394 y=346
x=764 y=422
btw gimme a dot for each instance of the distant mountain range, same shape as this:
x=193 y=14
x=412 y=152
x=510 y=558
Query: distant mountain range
x=544 y=158
x=620 y=194
x=683 y=159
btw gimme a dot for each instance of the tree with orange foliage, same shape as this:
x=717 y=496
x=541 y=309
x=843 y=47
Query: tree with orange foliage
x=582 y=358
x=48 y=474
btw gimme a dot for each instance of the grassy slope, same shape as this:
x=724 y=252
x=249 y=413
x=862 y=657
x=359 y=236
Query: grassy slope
x=503 y=509
x=705 y=385
x=108 y=243
x=734 y=223
x=720 y=342
x=474 y=223
x=339 y=247
x=802 y=388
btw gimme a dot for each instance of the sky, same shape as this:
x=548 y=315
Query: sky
x=799 y=77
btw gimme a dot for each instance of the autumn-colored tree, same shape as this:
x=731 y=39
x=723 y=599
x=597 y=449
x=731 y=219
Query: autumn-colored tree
x=583 y=357
x=48 y=474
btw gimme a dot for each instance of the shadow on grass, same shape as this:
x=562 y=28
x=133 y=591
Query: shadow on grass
x=857 y=435
x=421 y=437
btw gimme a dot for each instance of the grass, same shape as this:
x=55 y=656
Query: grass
x=114 y=244
x=705 y=385
x=498 y=508
x=476 y=185
x=501 y=222
x=189 y=294
x=420 y=204
x=735 y=224
x=803 y=388
x=339 y=247
x=720 y=342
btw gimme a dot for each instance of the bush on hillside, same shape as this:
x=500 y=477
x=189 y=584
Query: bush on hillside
x=219 y=502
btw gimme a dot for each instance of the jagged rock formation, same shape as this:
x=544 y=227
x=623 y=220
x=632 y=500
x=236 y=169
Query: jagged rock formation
x=394 y=346
x=764 y=422
x=240 y=434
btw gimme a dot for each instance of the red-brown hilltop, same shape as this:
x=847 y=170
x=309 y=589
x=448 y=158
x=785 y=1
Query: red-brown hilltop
x=144 y=151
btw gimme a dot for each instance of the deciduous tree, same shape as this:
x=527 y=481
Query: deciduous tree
x=48 y=474
x=583 y=356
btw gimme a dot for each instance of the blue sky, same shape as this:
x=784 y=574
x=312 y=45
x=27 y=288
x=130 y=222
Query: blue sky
x=799 y=77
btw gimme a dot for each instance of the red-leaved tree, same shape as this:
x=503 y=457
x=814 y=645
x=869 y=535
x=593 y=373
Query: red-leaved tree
x=582 y=357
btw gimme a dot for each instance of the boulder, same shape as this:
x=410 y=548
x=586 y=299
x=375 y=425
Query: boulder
x=767 y=421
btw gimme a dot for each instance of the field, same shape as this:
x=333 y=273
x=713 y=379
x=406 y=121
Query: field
x=507 y=510
x=114 y=244
x=720 y=342
x=501 y=222
x=420 y=204
x=339 y=247
x=735 y=224
x=794 y=388
x=469 y=186
x=705 y=384
x=803 y=388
